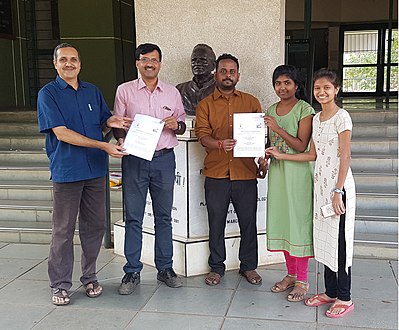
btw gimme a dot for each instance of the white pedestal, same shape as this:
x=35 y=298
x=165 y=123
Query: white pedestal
x=190 y=256
x=190 y=224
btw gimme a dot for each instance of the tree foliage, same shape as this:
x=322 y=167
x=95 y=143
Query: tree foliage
x=364 y=79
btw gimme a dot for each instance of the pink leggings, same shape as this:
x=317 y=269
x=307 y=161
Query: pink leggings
x=297 y=266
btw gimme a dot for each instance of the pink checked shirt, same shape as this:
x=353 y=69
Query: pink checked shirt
x=134 y=97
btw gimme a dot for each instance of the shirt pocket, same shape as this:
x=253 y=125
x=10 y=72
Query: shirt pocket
x=91 y=117
x=166 y=111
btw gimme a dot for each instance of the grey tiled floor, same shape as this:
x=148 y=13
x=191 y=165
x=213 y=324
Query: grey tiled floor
x=234 y=304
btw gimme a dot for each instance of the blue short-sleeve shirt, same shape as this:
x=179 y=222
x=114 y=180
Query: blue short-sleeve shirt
x=83 y=111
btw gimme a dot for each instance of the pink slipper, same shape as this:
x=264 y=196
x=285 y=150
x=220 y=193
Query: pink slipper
x=321 y=300
x=346 y=309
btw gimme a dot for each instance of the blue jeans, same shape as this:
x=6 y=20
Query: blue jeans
x=158 y=177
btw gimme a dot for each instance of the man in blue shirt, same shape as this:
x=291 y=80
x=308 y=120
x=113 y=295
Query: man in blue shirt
x=74 y=115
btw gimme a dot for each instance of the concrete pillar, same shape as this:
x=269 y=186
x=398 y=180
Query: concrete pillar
x=103 y=31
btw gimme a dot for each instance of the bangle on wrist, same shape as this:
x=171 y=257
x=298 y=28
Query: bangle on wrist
x=178 y=126
x=338 y=191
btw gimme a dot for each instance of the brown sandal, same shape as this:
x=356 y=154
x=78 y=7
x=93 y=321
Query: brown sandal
x=301 y=289
x=60 y=297
x=213 y=278
x=252 y=277
x=93 y=289
x=287 y=282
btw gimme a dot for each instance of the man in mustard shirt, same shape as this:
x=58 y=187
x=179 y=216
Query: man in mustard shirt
x=228 y=178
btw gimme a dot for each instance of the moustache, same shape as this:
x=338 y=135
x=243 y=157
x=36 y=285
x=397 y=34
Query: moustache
x=227 y=79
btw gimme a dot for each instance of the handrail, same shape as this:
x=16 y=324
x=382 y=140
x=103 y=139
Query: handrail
x=107 y=234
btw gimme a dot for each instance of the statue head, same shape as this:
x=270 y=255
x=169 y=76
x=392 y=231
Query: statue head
x=203 y=60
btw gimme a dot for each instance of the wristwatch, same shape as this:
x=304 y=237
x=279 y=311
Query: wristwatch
x=178 y=126
x=339 y=191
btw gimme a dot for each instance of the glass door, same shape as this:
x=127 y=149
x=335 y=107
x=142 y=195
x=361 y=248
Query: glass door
x=364 y=61
x=394 y=61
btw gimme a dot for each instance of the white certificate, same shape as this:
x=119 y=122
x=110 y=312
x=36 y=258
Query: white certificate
x=143 y=136
x=249 y=131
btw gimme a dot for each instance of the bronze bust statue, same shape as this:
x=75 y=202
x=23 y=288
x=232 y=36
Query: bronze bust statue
x=203 y=61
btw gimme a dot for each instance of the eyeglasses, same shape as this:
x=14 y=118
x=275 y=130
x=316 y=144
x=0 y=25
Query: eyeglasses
x=149 y=60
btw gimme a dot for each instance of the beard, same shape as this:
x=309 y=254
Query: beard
x=227 y=87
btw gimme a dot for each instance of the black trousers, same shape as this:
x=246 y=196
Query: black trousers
x=338 y=284
x=244 y=196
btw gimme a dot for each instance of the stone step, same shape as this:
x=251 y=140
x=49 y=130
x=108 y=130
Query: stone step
x=39 y=211
x=19 y=129
x=374 y=165
x=376 y=221
x=22 y=232
x=28 y=158
x=38 y=191
x=33 y=158
x=377 y=214
x=375 y=117
x=366 y=202
x=376 y=227
x=38 y=174
x=27 y=115
x=384 y=246
x=33 y=173
x=27 y=143
x=374 y=146
x=39 y=225
x=367 y=104
x=377 y=238
x=386 y=184
x=372 y=130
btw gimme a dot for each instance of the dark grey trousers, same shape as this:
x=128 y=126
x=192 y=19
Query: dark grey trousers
x=244 y=196
x=85 y=200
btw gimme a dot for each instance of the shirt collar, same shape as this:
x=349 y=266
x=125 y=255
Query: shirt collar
x=217 y=93
x=141 y=84
x=63 y=84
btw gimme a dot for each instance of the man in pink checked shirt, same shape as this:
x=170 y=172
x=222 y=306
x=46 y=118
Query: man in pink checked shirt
x=149 y=96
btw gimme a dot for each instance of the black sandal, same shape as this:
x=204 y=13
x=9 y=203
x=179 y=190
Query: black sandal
x=60 y=297
x=91 y=289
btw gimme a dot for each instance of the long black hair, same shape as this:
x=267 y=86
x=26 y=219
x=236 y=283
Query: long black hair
x=292 y=73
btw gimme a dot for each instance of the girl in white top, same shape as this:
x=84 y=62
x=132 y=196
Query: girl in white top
x=333 y=186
